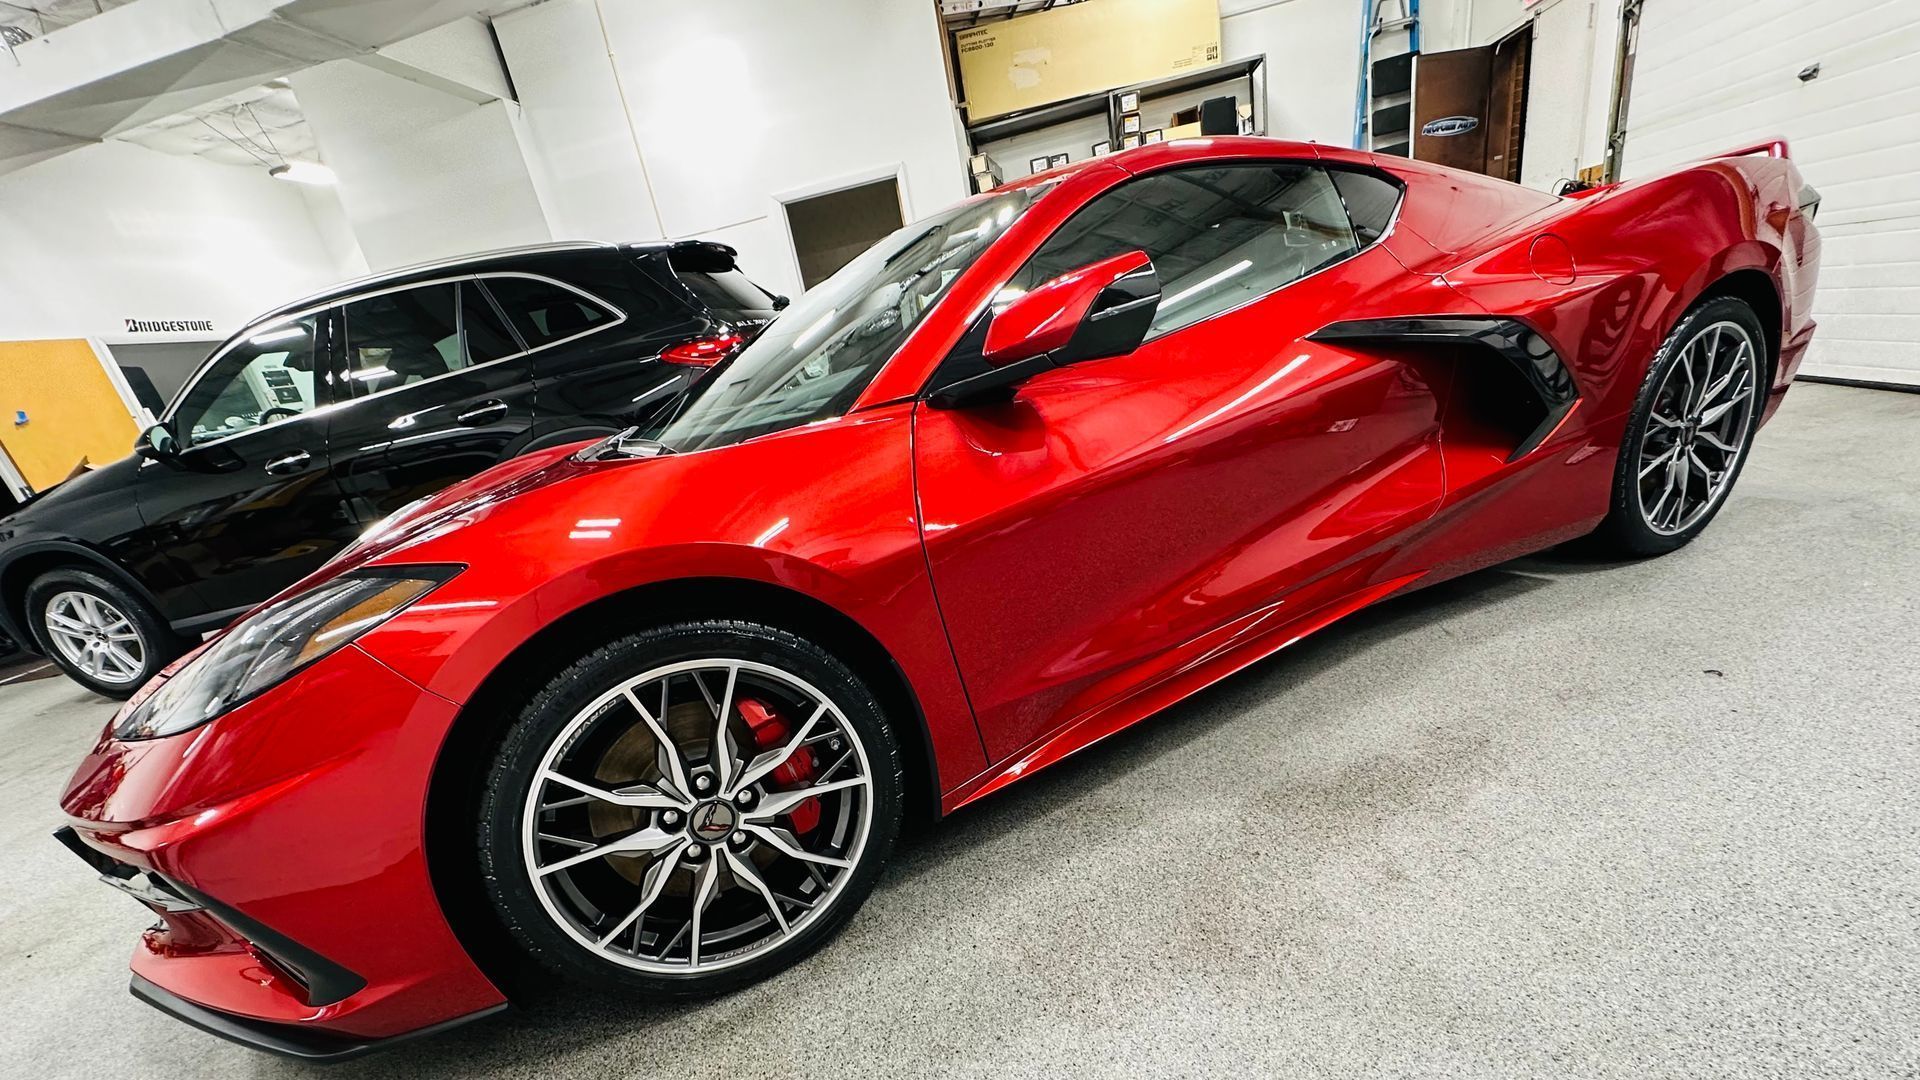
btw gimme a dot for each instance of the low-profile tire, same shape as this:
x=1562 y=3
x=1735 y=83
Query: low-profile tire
x=628 y=730
x=103 y=635
x=1691 y=427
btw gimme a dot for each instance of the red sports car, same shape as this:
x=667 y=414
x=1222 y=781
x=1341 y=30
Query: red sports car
x=651 y=711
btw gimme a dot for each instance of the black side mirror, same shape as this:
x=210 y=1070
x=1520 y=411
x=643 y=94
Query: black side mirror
x=1101 y=310
x=157 y=443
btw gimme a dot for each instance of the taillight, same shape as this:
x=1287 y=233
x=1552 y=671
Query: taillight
x=703 y=352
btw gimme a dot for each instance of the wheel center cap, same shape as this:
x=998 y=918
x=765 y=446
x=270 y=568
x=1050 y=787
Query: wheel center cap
x=713 y=821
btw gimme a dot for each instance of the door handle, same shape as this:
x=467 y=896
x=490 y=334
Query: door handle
x=484 y=413
x=288 y=463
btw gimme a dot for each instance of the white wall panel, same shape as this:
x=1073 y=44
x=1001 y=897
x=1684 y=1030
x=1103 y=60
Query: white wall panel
x=116 y=231
x=1313 y=63
x=734 y=100
x=1709 y=77
x=423 y=174
x=580 y=144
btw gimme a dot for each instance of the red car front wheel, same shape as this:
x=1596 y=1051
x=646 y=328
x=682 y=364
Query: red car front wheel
x=690 y=808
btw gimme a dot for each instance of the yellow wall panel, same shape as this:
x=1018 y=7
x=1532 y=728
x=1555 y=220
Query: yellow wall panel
x=74 y=412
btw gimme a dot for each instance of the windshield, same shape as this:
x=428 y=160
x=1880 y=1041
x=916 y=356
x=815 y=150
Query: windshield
x=817 y=357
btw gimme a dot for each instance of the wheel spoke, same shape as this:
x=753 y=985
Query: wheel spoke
x=1665 y=457
x=639 y=842
x=55 y=620
x=1714 y=414
x=779 y=802
x=1713 y=440
x=773 y=759
x=743 y=871
x=702 y=896
x=672 y=764
x=640 y=796
x=650 y=890
x=783 y=841
x=722 y=752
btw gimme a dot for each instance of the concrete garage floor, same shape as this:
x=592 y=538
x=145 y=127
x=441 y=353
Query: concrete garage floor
x=1637 y=820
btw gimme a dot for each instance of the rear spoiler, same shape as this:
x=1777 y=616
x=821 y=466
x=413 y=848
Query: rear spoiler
x=1772 y=148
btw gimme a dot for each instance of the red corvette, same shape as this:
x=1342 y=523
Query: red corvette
x=650 y=712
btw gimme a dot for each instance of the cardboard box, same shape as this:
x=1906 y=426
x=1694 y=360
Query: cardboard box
x=1085 y=48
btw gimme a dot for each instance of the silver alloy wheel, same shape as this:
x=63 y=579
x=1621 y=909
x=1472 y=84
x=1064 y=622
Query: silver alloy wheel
x=696 y=864
x=1699 y=427
x=96 y=637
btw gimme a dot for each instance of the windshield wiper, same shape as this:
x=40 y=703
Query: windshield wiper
x=626 y=443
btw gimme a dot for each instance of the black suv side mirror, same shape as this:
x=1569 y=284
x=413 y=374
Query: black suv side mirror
x=157 y=443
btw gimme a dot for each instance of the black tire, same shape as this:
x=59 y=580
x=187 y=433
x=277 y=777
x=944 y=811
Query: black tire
x=1626 y=531
x=505 y=788
x=156 y=642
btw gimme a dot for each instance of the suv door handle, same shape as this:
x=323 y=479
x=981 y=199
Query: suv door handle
x=288 y=463
x=484 y=413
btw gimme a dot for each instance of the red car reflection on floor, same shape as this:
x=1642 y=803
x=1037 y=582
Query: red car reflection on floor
x=651 y=711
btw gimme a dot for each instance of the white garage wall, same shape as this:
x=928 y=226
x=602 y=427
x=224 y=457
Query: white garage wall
x=117 y=231
x=1708 y=78
x=423 y=173
x=1313 y=62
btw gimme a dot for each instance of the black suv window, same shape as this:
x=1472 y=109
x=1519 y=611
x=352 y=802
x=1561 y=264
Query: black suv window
x=544 y=312
x=264 y=378
x=1219 y=235
x=719 y=284
x=402 y=337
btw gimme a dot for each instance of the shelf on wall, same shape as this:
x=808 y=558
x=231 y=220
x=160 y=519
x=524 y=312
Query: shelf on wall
x=1090 y=105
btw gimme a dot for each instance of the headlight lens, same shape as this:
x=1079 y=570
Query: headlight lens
x=274 y=643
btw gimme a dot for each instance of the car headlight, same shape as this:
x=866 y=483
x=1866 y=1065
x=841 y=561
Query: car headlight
x=273 y=643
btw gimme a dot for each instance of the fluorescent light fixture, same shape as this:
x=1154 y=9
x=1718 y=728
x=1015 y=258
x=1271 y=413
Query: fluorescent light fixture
x=303 y=172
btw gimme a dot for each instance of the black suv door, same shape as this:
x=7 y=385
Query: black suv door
x=250 y=503
x=432 y=387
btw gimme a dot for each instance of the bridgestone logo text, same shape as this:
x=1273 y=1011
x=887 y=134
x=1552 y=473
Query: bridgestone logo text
x=169 y=326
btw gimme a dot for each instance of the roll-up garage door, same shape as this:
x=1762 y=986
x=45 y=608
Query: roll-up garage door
x=1710 y=76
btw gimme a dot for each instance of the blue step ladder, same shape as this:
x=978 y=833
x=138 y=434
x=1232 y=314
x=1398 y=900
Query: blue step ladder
x=1390 y=39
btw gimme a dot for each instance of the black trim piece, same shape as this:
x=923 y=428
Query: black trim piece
x=325 y=981
x=286 y=1040
x=1863 y=384
x=1516 y=342
x=212 y=620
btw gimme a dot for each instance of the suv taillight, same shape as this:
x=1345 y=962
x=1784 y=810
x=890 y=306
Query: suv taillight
x=703 y=352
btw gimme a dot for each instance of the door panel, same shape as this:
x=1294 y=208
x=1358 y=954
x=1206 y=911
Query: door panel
x=439 y=412
x=1116 y=511
x=1451 y=92
x=250 y=506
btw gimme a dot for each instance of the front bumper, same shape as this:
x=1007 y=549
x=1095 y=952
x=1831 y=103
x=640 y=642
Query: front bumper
x=282 y=846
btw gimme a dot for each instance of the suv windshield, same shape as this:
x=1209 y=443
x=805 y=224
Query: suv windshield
x=817 y=357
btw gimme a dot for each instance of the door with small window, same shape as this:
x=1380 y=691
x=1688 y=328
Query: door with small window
x=431 y=385
x=1172 y=503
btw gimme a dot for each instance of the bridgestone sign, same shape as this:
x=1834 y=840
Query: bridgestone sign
x=170 y=326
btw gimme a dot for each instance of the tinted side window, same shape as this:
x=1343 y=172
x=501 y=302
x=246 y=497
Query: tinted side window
x=402 y=337
x=264 y=379
x=1370 y=202
x=1219 y=236
x=543 y=312
x=488 y=338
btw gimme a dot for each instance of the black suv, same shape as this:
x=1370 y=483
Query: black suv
x=325 y=415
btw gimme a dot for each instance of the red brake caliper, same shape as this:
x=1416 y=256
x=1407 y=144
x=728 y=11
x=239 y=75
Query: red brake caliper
x=770 y=731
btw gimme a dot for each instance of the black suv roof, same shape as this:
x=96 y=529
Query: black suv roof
x=524 y=257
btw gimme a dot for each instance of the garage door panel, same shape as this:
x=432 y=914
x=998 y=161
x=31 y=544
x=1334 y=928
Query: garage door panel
x=1710 y=76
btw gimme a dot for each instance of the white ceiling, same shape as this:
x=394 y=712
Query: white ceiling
x=261 y=125
x=42 y=17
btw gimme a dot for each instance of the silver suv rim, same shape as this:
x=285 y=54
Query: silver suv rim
x=655 y=842
x=95 y=637
x=1699 y=427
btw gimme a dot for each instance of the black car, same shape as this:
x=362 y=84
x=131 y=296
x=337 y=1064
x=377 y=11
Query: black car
x=325 y=415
